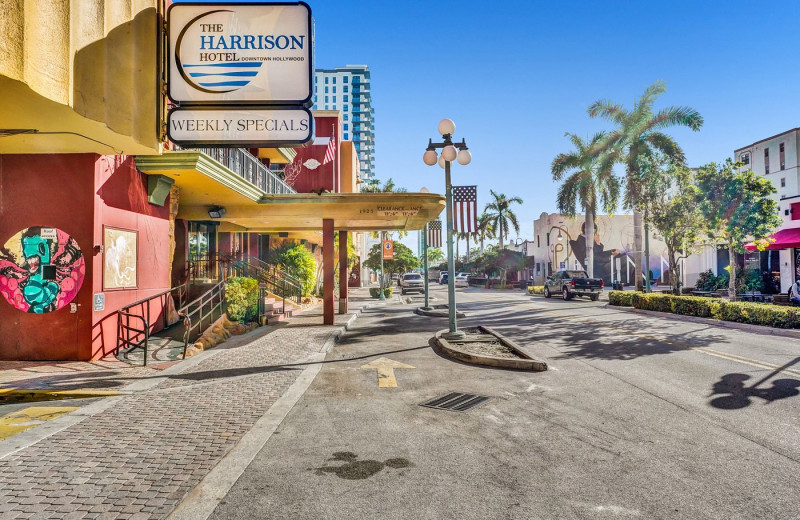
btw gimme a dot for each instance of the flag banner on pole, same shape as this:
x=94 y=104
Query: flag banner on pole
x=388 y=250
x=435 y=233
x=330 y=151
x=465 y=209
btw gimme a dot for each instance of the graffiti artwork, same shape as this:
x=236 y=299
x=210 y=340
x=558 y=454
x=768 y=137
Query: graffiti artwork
x=41 y=269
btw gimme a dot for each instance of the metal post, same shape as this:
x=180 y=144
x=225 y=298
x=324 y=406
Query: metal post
x=451 y=261
x=646 y=269
x=425 y=264
x=381 y=296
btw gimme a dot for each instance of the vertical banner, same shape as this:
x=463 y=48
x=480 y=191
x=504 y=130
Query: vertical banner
x=388 y=250
x=465 y=209
x=435 y=233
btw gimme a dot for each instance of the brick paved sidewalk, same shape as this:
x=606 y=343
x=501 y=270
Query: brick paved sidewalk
x=139 y=458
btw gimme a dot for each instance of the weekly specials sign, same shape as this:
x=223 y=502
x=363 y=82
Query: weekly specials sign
x=246 y=54
x=240 y=126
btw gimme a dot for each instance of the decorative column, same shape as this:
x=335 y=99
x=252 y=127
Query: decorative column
x=344 y=272
x=327 y=270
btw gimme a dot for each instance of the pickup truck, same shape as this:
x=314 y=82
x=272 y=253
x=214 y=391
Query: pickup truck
x=573 y=283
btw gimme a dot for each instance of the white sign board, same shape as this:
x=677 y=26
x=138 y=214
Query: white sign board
x=240 y=126
x=240 y=54
x=48 y=233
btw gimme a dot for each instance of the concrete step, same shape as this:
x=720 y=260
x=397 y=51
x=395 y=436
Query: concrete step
x=275 y=318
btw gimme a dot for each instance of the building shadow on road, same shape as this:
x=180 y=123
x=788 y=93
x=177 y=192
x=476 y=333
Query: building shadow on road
x=734 y=395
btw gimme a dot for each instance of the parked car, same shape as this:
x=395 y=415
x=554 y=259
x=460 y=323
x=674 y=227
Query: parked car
x=462 y=280
x=412 y=282
x=443 y=278
x=573 y=283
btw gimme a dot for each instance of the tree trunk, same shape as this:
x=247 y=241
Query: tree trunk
x=637 y=250
x=732 y=282
x=481 y=243
x=589 y=238
x=674 y=270
x=501 y=235
x=647 y=255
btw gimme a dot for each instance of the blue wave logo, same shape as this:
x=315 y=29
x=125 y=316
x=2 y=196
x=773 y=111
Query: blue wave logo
x=221 y=77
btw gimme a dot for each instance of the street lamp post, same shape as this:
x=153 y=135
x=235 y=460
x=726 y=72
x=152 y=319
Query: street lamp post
x=450 y=152
x=381 y=296
x=427 y=306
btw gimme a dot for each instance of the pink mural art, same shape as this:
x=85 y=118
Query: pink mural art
x=41 y=269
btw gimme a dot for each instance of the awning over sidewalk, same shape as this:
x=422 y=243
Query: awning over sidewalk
x=783 y=239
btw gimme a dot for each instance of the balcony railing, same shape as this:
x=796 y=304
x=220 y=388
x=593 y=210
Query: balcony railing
x=241 y=162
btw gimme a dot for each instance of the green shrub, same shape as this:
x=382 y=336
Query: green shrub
x=241 y=298
x=621 y=298
x=741 y=312
x=376 y=292
x=299 y=262
x=536 y=289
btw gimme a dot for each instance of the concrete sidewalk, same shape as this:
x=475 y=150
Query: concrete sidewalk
x=138 y=455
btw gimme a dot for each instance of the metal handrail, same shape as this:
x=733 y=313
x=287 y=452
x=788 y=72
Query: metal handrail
x=248 y=167
x=196 y=307
x=131 y=337
x=282 y=284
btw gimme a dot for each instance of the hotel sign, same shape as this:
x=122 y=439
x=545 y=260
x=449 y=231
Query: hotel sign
x=243 y=126
x=245 y=54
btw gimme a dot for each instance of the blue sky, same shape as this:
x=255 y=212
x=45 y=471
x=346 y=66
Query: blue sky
x=515 y=76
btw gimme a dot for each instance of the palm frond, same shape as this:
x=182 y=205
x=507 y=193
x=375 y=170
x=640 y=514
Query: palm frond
x=677 y=116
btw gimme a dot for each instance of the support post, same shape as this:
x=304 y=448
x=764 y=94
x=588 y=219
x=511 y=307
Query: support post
x=425 y=264
x=344 y=272
x=454 y=333
x=327 y=271
x=381 y=296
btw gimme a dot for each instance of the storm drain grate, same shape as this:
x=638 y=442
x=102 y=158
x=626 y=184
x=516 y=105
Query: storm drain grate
x=457 y=402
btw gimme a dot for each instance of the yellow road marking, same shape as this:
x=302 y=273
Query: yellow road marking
x=22 y=420
x=18 y=395
x=385 y=368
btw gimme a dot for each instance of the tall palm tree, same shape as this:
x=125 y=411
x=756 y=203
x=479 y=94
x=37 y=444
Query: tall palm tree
x=638 y=136
x=501 y=216
x=590 y=183
x=485 y=228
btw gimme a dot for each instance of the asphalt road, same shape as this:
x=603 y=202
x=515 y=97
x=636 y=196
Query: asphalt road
x=639 y=416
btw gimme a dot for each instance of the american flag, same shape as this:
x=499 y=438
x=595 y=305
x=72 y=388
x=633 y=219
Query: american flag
x=435 y=233
x=330 y=152
x=465 y=209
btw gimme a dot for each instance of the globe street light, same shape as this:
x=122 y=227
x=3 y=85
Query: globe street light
x=450 y=151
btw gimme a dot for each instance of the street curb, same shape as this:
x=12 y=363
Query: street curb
x=527 y=363
x=204 y=498
x=437 y=314
x=747 y=327
x=31 y=395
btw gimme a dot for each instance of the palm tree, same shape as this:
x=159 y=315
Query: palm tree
x=637 y=137
x=501 y=216
x=485 y=228
x=590 y=181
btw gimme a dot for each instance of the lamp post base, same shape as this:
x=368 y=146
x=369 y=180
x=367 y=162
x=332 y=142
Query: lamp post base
x=457 y=335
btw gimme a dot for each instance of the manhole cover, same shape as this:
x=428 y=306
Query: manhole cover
x=457 y=402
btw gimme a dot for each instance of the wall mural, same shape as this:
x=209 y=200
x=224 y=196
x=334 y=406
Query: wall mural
x=119 y=266
x=41 y=269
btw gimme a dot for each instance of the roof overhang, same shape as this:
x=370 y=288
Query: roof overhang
x=349 y=211
x=783 y=239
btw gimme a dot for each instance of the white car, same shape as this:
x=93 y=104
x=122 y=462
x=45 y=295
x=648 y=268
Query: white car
x=462 y=280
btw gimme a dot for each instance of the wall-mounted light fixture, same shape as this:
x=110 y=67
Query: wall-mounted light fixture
x=216 y=212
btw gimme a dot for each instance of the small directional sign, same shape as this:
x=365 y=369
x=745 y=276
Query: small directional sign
x=385 y=368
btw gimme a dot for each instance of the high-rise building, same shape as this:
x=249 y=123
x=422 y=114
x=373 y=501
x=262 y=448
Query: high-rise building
x=347 y=89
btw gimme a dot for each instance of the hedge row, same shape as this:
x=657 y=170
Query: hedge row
x=741 y=312
x=536 y=289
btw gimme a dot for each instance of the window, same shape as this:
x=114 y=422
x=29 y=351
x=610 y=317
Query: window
x=782 y=157
x=795 y=211
x=766 y=160
x=745 y=158
x=537 y=243
x=326 y=99
x=326 y=80
x=326 y=90
x=346 y=127
x=344 y=79
x=346 y=98
x=346 y=117
x=346 y=88
x=783 y=182
x=346 y=137
x=334 y=80
x=346 y=108
x=334 y=99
